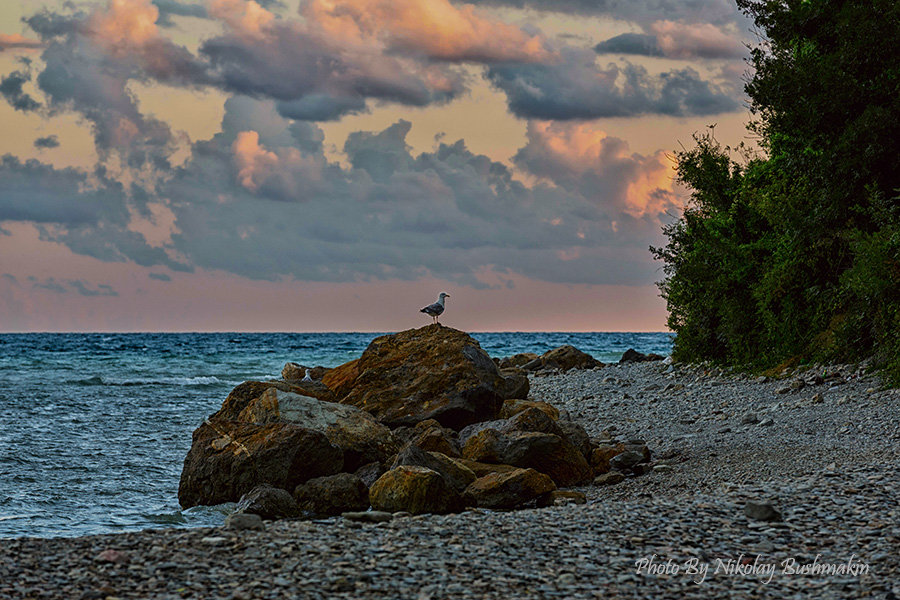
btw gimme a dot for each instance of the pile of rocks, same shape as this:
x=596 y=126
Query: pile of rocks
x=423 y=422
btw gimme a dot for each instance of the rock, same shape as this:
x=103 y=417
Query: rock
x=112 y=556
x=517 y=360
x=370 y=473
x=530 y=419
x=766 y=422
x=430 y=436
x=513 y=407
x=508 y=490
x=242 y=521
x=749 y=419
x=761 y=511
x=355 y=431
x=372 y=516
x=245 y=393
x=632 y=355
x=545 y=452
x=332 y=495
x=626 y=461
x=228 y=459
x=568 y=357
x=294 y=371
x=413 y=489
x=562 y=498
x=662 y=468
x=514 y=385
x=268 y=502
x=611 y=478
x=602 y=454
x=576 y=434
x=456 y=474
x=434 y=372
x=481 y=469
x=533 y=365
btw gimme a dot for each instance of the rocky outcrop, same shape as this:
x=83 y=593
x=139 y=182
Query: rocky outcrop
x=228 y=459
x=514 y=384
x=508 y=490
x=268 y=502
x=517 y=360
x=415 y=490
x=429 y=373
x=294 y=371
x=332 y=495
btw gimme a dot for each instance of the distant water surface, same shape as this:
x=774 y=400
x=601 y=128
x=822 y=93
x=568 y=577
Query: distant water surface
x=94 y=427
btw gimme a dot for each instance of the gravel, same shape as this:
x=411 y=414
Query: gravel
x=826 y=463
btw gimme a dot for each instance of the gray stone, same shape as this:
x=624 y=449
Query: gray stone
x=761 y=511
x=242 y=521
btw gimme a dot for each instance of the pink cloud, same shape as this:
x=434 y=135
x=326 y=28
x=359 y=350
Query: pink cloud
x=435 y=28
x=243 y=16
x=254 y=163
x=703 y=40
x=15 y=40
x=125 y=24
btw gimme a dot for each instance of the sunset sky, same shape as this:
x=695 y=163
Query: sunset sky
x=332 y=165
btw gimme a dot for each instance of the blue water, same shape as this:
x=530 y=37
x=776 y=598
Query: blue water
x=94 y=427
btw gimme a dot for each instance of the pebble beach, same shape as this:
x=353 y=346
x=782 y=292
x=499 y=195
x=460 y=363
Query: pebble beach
x=821 y=446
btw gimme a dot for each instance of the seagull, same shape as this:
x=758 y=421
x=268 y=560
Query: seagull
x=306 y=377
x=435 y=310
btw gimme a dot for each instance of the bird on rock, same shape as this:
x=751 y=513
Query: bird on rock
x=435 y=310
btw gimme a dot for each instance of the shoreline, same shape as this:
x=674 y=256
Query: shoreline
x=827 y=461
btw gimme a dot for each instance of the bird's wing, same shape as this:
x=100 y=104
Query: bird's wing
x=433 y=309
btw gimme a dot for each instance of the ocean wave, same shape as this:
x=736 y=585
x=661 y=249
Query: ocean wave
x=183 y=381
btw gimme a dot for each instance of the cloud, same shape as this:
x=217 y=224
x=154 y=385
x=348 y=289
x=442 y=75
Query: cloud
x=579 y=89
x=641 y=11
x=159 y=276
x=677 y=40
x=17 y=41
x=63 y=287
x=50 y=141
x=435 y=29
x=169 y=8
x=12 y=89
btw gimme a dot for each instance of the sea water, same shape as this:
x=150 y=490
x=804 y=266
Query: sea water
x=94 y=428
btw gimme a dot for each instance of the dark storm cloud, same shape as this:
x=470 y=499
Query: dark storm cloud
x=578 y=89
x=630 y=43
x=84 y=288
x=48 y=284
x=707 y=11
x=12 y=89
x=159 y=276
x=50 y=141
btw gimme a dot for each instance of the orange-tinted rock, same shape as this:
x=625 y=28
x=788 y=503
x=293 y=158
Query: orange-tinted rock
x=415 y=490
x=601 y=456
x=517 y=360
x=454 y=472
x=484 y=446
x=228 y=459
x=246 y=392
x=293 y=371
x=481 y=469
x=513 y=407
x=429 y=373
x=508 y=490
x=340 y=379
x=568 y=357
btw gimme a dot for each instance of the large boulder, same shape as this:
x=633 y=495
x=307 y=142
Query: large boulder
x=415 y=490
x=268 y=502
x=332 y=495
x=228 y=459
x=434 y=372
x=508 y=490
x=548 y=453
x=530 y=419
x=454 y=472
x=569 y=357
x=354 y=431
x=515 y=384
x=632 y=355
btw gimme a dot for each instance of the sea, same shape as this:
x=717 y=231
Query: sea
x=94 y=427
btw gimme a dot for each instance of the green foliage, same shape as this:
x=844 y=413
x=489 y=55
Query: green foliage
x=798 y=253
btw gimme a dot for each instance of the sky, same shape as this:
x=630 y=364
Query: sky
x=332 y=165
